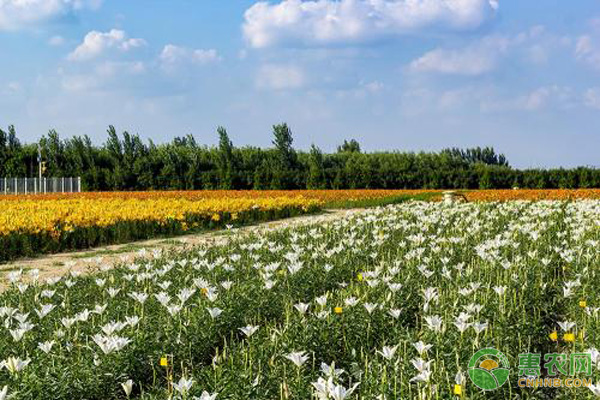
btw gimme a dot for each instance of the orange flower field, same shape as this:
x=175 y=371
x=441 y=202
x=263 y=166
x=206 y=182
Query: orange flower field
x=531 y=194
x=325 y=196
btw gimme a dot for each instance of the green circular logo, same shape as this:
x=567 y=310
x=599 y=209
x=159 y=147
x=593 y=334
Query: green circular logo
x=489 y=369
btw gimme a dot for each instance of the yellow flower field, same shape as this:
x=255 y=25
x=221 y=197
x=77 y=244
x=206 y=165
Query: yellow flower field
x=31 y=225
x=56 y=216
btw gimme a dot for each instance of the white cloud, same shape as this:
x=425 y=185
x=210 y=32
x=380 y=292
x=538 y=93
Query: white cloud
x=115 y=69
x=592 y=98
x=544 y=96
x=373 y=87
x=588 y=51
x=491 y=99
x=280 y=77
x=172 y=55
x=475 y=60
x=485 y=54
x=13 y=87
x=325 y=22
x=105 y=76
x=95 y=43
x=553 y=97
x=16 y=14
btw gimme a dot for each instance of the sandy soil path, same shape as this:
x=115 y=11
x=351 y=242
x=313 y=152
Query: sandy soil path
x=91 y=260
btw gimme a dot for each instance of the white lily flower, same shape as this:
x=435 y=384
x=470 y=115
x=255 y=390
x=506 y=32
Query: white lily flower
x=14 y=364
x=388 y=352
x=127 y=387
x=249 y=330
x=298 y=358
x=183 y=386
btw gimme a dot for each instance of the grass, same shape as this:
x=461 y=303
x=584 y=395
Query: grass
x=379 y=202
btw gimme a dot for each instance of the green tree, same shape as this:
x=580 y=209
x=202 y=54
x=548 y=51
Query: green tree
x=286 y=157
x=225 y=159
x=351 y=146
x=316 y=176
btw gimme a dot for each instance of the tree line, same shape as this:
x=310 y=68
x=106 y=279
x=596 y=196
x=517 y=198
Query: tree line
x=125 y=162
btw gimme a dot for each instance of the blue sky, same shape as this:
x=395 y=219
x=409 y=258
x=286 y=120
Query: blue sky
x=520 y=75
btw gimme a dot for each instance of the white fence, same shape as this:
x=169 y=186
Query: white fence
x=35 y=186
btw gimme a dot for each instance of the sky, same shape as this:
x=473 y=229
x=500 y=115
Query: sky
x=522 y=76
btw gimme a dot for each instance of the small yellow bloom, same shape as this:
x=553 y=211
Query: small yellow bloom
x=164 y=362
x=458 y=390
x=569 y=337
x=359 y=277
x=583 y=304
x=554 y=336
x=216 y=217
x=338 y=310
x=204 y=291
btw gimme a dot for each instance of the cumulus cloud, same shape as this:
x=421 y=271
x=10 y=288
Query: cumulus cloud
x=280 y=77
x=474 y=60
x=325 y=22
x=15 y=14
x=172 y=55
x=96 y=43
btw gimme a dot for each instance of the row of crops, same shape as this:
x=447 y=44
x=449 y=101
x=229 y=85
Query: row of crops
x=390 y=303
x=31 y=225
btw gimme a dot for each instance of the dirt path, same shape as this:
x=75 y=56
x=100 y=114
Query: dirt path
x=93 y=259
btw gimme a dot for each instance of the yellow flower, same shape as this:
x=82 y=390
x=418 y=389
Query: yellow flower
x=338 y=310
x=164 y=362
x=569 y=337
x=554 y=336
x=216 y=217
x=359 y=277
x=458 y=390
x=583 y=304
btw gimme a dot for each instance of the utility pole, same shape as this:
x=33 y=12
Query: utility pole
x=40 y=163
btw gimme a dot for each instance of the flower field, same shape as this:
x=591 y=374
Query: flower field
x=390 y=303
x=330 y=198
x=532 y=194
x=29 y=226
x=32 y=224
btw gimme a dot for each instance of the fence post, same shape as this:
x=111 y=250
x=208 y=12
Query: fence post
x=16 y=186
x=63 y=184
x=25 y=185
x=78 y=184
x=5 y=185
x=35 y=185
x=45 y=186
